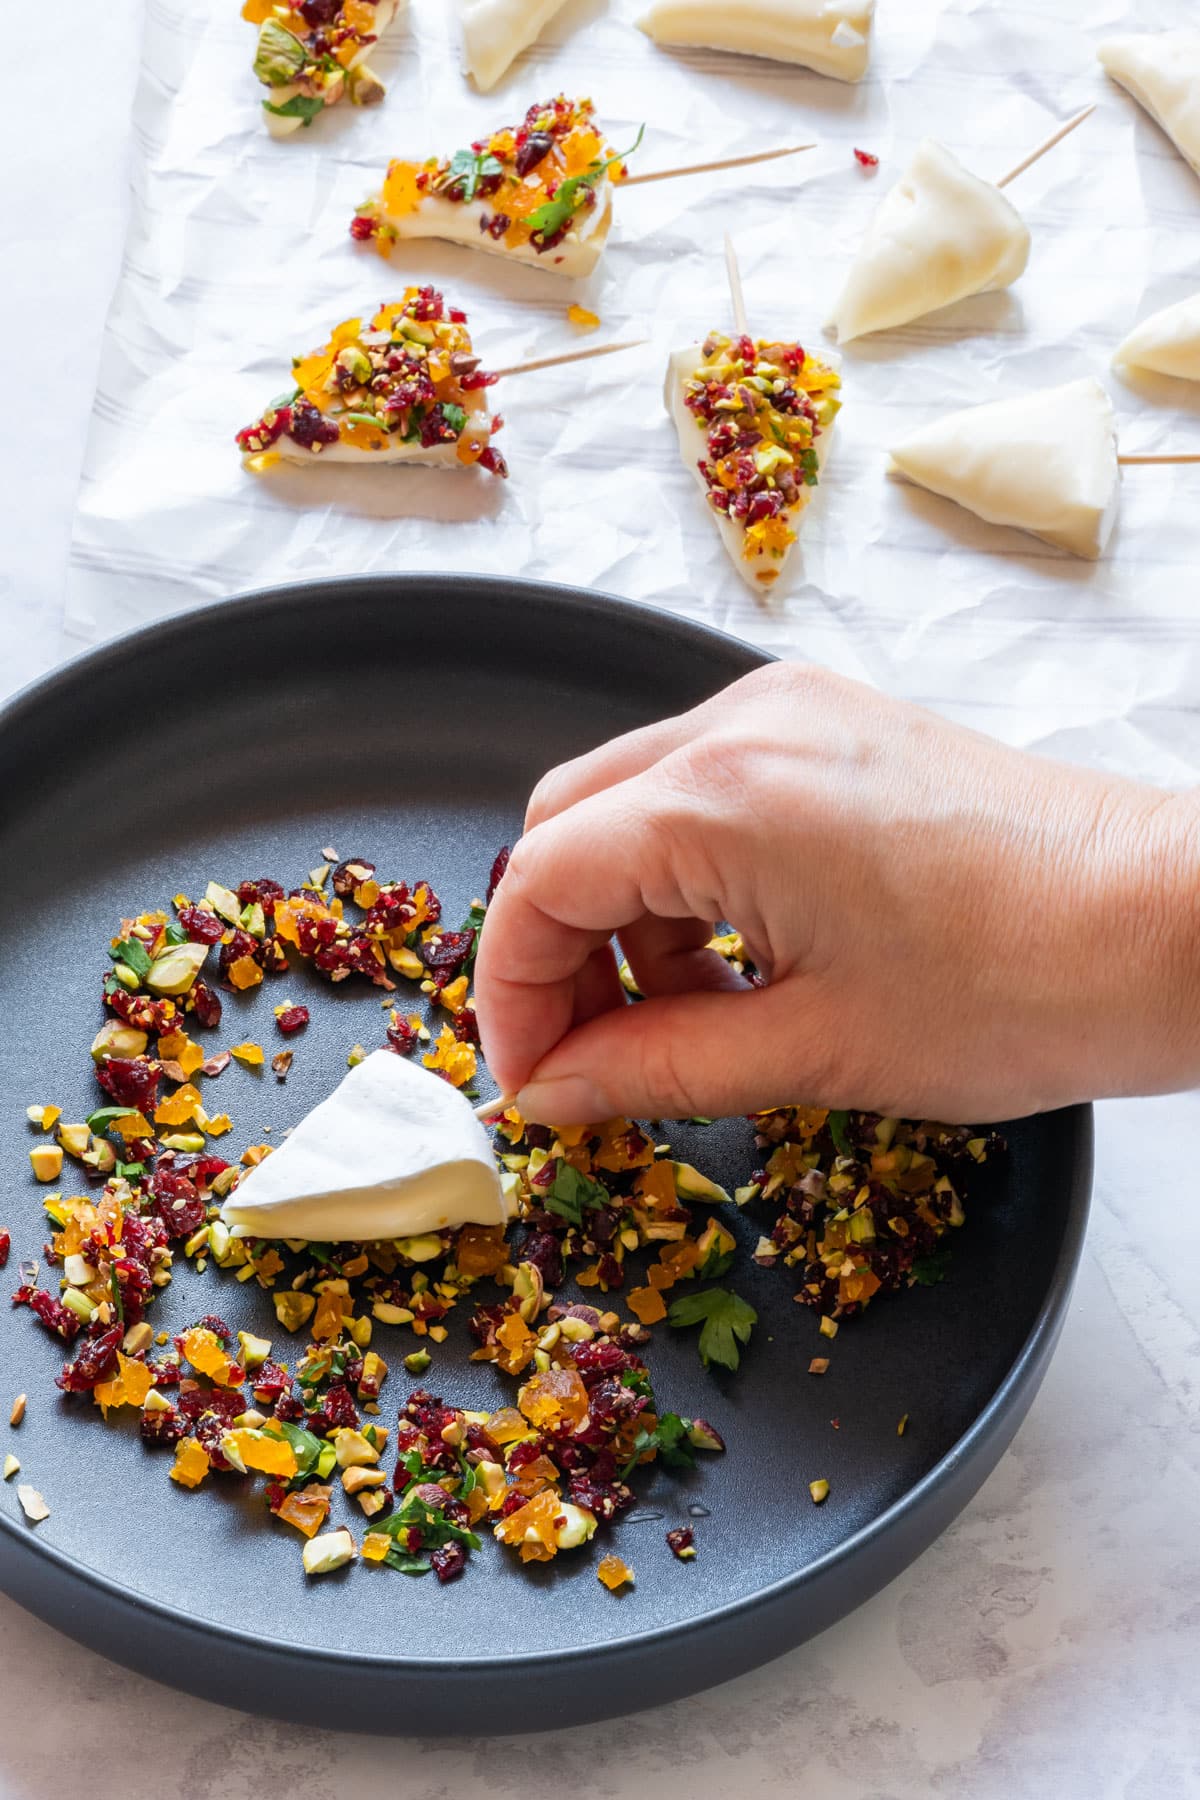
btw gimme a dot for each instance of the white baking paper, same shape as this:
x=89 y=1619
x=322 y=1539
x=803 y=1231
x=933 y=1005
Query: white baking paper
x=238 y=256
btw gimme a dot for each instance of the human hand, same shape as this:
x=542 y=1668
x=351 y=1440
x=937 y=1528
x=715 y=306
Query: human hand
x=946 y=927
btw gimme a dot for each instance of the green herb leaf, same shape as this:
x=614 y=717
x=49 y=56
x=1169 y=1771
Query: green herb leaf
x=408 y=1565
x=725 y=1320
x=474 y=919
x=130 y=1171
x=455 y=416
x=837 y=1131
x=927 y=1271
x=116 y=1294
x=715 y=1264
x=174 y=933
x=134 y=954
x=550 y=218
x=670 y=1439
x=570 y=1192
x=305 y=1445
x=470 y=167
x=300 y=106
x=103 y=1117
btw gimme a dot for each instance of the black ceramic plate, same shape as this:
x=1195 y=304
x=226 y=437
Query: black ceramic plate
x=405 y=719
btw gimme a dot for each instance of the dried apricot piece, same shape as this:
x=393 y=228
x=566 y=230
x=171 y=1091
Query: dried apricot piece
x=518 y=1344
x=647 y=1305
x=480 y=1250
x=191 y=1463
x=506 y=1426
x=203 y=1349
x=307 y=1509
x=556 y=1398
x=178 y=1108
x=260 y=1450
x=614 y=1573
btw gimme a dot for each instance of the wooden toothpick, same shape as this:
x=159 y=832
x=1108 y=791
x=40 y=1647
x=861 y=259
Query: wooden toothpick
x=570 y=356
x=1179 y=456
x=708 y=168
x=1056 y=137
x=491 y=1109
x=736 y=295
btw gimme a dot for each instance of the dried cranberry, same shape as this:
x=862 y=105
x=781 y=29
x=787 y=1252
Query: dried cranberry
x=319 y=12
x=597 y=1361
x=496 y=226
x=177 y=1202
x=428 y=305
x=218 y=1327
x=865 y=159
x=293 y=1018
x=130 y=1080
x=511 y=1504
x=263 y=892
x=681 y=1538
x=457 y=316
x=401 y=1036
x=449 y=1561
x=309 y=427
x=446 y=955
x=202 y=925
x=162 y=1426
x=96 y=1358
x=436 y=428
x=138 y=1010
x=501 y=863
x=544 y=1251
x=339 y=1408
x=363 y=227
x=270 y=1382
x=479 y=378
x=205 y=1003
x=494 y=463
x=289 y=1409
x=5 y=1247
x=530 y=153
x=604 y=1498
x=351 y=873
x=610 y=1272
x=54 y=1315
x=466 y=1026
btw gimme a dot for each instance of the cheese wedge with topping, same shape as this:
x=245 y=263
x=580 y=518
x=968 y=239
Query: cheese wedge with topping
x=1044 y=462
x=293 y=61
x=395 y=1151
x=495 y=32
x=939 y=235
x=754 y=419
x=404 y=388
x=1161 y=69
x=1168 y=342
x=539 y=193
x=831 y=36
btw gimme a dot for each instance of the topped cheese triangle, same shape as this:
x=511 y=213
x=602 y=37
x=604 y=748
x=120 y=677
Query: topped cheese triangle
x=1161 y=69
x=1044 y=462
x=1168 y=342
x=395 y=1151
x=539 y=192
x=831 y=36
x=940 y=234
x=495 y=32
x=754 y=418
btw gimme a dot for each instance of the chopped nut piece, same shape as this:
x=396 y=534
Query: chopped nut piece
x=332 y=1550
x=355 y=1478
x=819 y=1365
x=32 y=1504
x=47 y=1161
x=819 y=1491
x=902 y=1427
x=18 y=1410
x=11 y=1466
x=139 y=1337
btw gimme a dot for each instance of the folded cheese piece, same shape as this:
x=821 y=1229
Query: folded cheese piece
x=405 y=388
x=312 y=53
x=831 y=36
x=1045 y=462
x=495 y=32
x=1168 y=342
x=1161 y=69
x=539 y=192
x=754 y=419
x=939 y=235
x=393 y=1152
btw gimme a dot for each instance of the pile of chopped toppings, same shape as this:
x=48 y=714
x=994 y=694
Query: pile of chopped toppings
x=534 y=183
x=409 y=377
x=863 y=1204
x=310 y=54
x=762 y=407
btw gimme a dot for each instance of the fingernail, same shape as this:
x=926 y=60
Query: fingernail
x=562 y=1100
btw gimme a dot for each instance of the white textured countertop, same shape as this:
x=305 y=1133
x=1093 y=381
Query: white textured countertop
x=1047 y=1643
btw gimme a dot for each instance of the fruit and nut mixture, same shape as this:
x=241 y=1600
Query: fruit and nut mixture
x=310 y=54
x=408 y=377
x=862 y=1204
x=534 y=182
x=762 y=406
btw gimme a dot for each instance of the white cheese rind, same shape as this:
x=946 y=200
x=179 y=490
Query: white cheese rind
x=939 y=235
x=831 y=36
x=495 y=32
x=1168 y=342
x=760 y=572
x=393 y=1152
x=459 y=222
x=1161 y=69
x=1043 y=462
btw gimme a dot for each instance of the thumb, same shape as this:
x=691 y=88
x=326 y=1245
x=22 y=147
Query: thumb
x=718 y=1054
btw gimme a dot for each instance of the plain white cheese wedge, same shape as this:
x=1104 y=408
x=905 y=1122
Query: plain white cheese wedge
x=831 y=36
x=1045 y=462
x=393 y=1152
x=494 y=33
x=759 y=572
x=1161 y=69
x=1168 y=342
x=459 y=222
x=939 y=235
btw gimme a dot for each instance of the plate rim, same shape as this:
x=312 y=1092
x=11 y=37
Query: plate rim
x=915 y=1505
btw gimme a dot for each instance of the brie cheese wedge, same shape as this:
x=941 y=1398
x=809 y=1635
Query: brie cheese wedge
x=831 y=36
x=463 y=222
x=1044 y=462
x=395 y=1151
x=495 y=32
x=939 y=235
x=1168 y=342
x=1161 y=69
x=784 y=473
